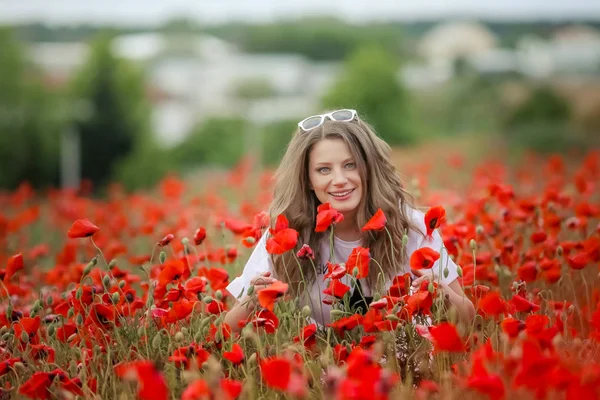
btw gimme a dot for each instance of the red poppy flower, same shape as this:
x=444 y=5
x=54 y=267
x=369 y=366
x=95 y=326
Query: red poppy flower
x=433 y=218
x=346 y=323
x=305 y=253
x=14 y=264
x=173 y=271
x=359 y=258
x=445 y=338
x=512 y=327
x=327 y=216
x=423 y=258
x=199 y=236
x=266 y=319
x=82 y=228
x=231 y=387
x=377 y=222
x=276 y=372
x=236 y=355
x=152 y=384
x=336 y=289
x=307 y=337
x=284 y=240
x=196 y=390
x=578 y=261
x=37 y=387
x=269 y=295
x=334 y=271
x=166 y=240
x=521 y=304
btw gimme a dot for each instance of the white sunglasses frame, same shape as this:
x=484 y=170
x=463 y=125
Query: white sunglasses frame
x=328 y=115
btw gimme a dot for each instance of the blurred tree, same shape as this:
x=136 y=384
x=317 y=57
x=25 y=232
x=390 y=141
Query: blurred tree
x=29 y=121
x=117 y=114
x=275 y=137
x=542 y=122
x=370 y=84
x=216 y=141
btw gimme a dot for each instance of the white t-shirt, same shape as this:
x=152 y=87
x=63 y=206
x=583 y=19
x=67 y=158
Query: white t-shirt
x=260 y=261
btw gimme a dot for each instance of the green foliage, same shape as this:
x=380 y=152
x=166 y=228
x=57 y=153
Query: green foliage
x=369 y=84
x=217 y=141
x=117 y=112
x=542 y=122
x=275 y=138
x=29 y=121
x=316 y=38
x=144 y=167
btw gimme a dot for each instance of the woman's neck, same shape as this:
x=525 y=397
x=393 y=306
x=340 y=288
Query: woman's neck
x=347 y=230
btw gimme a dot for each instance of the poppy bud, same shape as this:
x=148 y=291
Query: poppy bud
x=33 y=312
x=51 y=330
x=179 y=337
x=355 y=272
x=392 y=317
x=446 y=272
x=70 y=313
x=122 y=283
x=88 y=268
x=79 y=319
x=252 y=359
x=430 y=287
x=162 y=257
x=207 y=299
x=559 y=251
x=112 y=264
x=473 y=244
x=459 y=271
x=79 y=293
x=166 y=240
x=479 y=230
x=250 y=290
x=306 y=311
x=6 y=336
x=185 y=241
x=156 y=341
x=94 y=260
x=19 y=366
x=250 y=240
x=3 y=329
x=24 y=337
x=404 y=240
x=334 y=314
x=49 y=301
x=115 y=298
x=106 y=280
x=219 y=294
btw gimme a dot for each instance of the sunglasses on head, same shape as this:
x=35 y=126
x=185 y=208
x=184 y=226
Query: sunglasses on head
x=315 y=121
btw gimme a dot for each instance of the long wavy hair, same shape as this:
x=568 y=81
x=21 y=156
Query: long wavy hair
x=382 y=188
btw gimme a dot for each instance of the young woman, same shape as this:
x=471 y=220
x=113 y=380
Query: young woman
x=337 y=158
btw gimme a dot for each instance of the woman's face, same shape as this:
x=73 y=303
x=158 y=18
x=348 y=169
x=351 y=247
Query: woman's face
x=334 y=176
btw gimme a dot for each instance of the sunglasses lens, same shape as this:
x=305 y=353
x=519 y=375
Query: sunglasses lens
x=311 y=123
x=342 y=115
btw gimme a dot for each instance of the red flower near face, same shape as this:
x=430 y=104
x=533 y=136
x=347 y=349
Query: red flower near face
x=377 y=222
x=199 y=236
x=423 y=258
x=82 y=228
x=283 y=238
x=359 y=258
x=307 y=337
x=236 y=355
x=327 y=216
x=445 y=338
x=433 y=218
x=14 y=264
x=269 y=295
x=336 y=289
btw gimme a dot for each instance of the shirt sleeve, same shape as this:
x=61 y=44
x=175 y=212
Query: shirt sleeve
x=436 y=243
x=259 y=262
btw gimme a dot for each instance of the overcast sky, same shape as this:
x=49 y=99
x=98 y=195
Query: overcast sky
x=155 y=11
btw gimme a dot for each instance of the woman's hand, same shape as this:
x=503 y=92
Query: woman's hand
x=453 y=294
x=261 y=281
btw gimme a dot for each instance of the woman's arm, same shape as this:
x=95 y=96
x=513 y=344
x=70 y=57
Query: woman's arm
x=454 y=296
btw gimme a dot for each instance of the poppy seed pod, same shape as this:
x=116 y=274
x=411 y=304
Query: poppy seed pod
x=112 y=264
x=473 y=244
x=306 y=311
x=162 y=257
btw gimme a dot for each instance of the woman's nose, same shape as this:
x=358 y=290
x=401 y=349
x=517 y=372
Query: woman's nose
x=339 y=177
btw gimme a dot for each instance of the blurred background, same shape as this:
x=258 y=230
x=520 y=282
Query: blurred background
x=127 y=91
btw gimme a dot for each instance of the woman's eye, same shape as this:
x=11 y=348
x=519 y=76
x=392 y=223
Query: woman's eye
x=323 y=170
x=350 y=165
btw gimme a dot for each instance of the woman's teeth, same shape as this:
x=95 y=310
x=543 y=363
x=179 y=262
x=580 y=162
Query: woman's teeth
x=341 y=194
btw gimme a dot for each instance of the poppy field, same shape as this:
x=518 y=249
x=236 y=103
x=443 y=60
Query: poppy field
x=124 y=296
